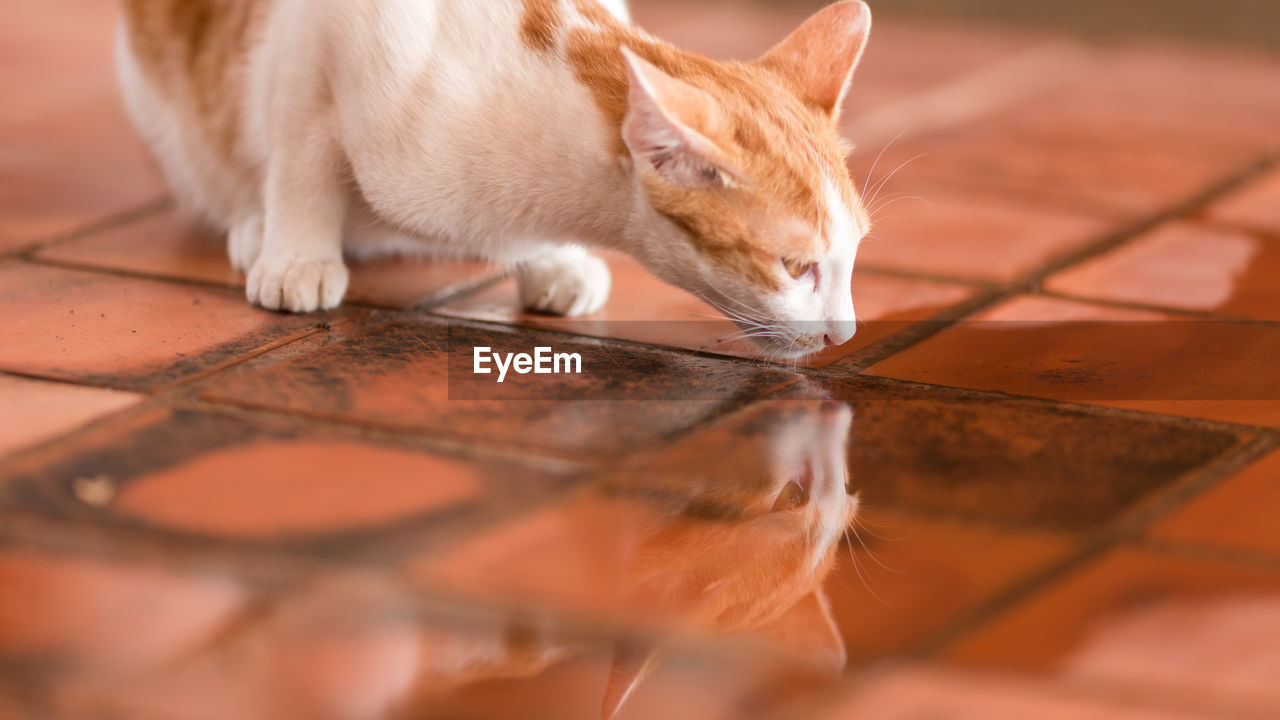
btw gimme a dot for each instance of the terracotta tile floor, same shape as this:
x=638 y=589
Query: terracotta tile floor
x=1042 y=481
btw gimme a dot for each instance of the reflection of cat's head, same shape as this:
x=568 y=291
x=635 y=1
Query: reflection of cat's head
x=750 y=531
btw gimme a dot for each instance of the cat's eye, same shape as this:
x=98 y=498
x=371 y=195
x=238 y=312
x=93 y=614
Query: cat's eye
x=793 y=497
x=799 y=269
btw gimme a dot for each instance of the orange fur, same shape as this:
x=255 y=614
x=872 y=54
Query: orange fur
x=785 y=144
x=199 y=48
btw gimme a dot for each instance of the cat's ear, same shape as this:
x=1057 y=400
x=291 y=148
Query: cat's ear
x=632 y=663
x=820 y=57
x=807 y=630
x=667 y=126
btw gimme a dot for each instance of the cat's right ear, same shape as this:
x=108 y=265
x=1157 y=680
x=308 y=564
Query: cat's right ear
x=819 y=59
x=667 y=126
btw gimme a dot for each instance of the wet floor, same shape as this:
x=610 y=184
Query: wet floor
x=1042 y=481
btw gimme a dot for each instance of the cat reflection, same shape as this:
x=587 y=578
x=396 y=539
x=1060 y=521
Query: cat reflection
x=733 y=534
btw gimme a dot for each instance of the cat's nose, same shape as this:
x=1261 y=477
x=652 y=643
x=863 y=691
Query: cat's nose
x=839 y=333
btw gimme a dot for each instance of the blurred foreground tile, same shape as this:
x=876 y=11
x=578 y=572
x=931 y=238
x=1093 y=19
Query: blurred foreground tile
x=77 y=612
x=1098 y=355
x=1238 y=513
x=1166 y=624
x=124 y=332
x=1185 y=267
x=34 y=410
x=943 y=692
x=87 y=638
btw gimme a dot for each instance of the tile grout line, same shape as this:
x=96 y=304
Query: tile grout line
x=1261 y=560
x=1220 y=188
x=106 y=223
x=450 y=294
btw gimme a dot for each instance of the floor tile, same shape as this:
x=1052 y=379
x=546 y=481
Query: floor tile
x=1187 y=267
x=1009 y=461
x=1133 y=359
x=32 y=411
x=418 y=377
x=123 y=332
x=1211 y=91
x=60 y=174
x=1147 y=620
x=54 y=52
x=68 y=156
x=1099 y=144
x=643 y=309
x=1255 y=206
x=885 y=595
x=948 y=234
x=171 y=246
x=1238 y=513
x=125 y=616
x=942 y=692
x=218 y=475
x=1119 y=179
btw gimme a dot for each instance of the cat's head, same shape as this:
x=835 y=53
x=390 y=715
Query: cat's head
x=750 y=204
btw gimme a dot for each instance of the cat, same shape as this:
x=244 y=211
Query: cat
x=519 y=131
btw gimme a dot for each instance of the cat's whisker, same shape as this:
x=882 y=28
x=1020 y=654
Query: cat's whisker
x=871 y=554
x=867 y=524
x=876 y=162
x=857 y=568
x=745 y=335
x=885 y=181
x=889 y=202
x=741 y=306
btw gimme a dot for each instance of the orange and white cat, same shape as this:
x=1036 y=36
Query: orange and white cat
x=520 y=131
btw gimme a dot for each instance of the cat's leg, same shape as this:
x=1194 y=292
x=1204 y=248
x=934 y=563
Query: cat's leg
x=565 y=280
x=244 y=242
x=300 y=267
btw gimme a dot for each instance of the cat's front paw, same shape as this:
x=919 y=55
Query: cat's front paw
x=567 y=281
x=296 y=284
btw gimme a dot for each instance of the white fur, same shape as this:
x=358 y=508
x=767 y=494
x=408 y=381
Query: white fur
x=427 y=126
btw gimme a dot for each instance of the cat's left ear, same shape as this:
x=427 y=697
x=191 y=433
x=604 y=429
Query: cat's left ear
x=670 y=125
x=807 y=631
x=820 y=57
